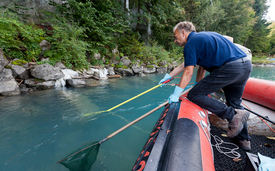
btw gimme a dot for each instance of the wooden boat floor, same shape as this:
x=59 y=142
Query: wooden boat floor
x=259 y=143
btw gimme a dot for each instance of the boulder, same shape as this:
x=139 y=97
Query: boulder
x=111 y=70
x=162 y=69
x=45 y=45
x=97 y=56
x=20 y=72
x=69 y=73
x=90 y=71
x=46 y=72
x=163 y=63
x=137 y=69
x=76 y=82
x=40 y=84
x=149 y=70
x=3 y=60
x=126 y=72
x=8 y=84
x=126 y=61
x=60 y=65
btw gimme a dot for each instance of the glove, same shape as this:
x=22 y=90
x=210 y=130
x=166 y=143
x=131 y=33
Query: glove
x=166 y=77
x=175 y=96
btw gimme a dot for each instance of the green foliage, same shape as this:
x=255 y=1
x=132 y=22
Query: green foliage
x=258 y=42
x=103 y=21
x=17 y=39
x=150 y=66
x=67 y=45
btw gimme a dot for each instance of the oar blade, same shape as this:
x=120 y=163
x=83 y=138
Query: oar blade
x=83 y=160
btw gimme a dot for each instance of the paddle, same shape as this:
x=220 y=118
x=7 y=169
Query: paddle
x=87 y=114
x=83 y=158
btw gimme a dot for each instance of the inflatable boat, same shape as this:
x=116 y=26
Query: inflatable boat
x=180 y=139
x=181 y=136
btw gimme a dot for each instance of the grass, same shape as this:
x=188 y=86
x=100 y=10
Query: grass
x=261 y=58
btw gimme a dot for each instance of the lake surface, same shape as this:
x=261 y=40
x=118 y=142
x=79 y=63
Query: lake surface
x=41 y=128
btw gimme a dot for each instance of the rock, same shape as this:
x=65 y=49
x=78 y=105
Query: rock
x=115 y=51
x=69 y=73
x=19 y=71
x=45 y=59
x=162 y=70
x=60 y=65
x=90 y=72
x=45 y=45
x=126 y=72
x=163 y=63
x=149 y=70
x=137 y=69
x=8 y=84
x=111 y=70
x=170 y=67
x=23 y=88
x=3 y=60
x=91 y=82
x=141 y=74
x=76 y=82
x=126 y=61
x=100 y=73
x=40 y=84
x=97 y=56
x=175 y=63
x=46 y=72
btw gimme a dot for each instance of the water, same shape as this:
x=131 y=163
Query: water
x=41 y=128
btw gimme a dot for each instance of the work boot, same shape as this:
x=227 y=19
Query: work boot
x=236 y=124
x=245 y=145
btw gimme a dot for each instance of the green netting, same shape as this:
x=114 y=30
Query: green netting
x=84 y=159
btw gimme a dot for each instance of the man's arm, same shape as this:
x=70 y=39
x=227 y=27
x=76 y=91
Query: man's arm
x=186 y=76
x=177 y=70
x=200 y=74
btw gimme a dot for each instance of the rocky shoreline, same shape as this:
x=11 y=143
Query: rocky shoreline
x=19 y=77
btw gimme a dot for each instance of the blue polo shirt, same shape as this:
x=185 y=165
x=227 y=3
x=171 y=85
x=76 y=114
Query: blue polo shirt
x=210 y=50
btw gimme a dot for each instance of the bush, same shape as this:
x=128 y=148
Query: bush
x=19 y=40
x=67 y=43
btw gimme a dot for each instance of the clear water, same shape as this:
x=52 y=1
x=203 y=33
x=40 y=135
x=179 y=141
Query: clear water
x=41 y=128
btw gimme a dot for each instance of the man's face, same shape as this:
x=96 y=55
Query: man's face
x=180 y=38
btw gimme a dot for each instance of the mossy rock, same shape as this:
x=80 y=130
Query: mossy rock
x=8 y=67
x=112 y=65
x=19 y=62
x=150 y=66
x=125 y=67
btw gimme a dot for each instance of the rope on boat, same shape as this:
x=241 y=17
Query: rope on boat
x=232 y=153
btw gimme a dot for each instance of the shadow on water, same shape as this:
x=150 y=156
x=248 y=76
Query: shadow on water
x=41 y=128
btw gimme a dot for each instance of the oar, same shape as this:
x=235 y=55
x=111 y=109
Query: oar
x=84 y=157
x=87 y=114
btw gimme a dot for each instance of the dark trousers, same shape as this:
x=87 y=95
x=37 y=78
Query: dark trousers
x=232 y=78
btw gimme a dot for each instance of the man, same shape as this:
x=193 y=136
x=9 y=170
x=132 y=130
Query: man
x=229 y=69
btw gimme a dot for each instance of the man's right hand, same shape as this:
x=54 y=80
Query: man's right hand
x=166 y=77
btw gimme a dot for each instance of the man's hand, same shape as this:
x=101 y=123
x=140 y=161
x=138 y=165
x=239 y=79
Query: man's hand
x=175 y=96
x=166 y=77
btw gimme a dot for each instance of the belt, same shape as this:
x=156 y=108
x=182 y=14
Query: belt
x=238 y=60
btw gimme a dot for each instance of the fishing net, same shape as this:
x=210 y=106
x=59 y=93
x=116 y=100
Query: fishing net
x=83 y=158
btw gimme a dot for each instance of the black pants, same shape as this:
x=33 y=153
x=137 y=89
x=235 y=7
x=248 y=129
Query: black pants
x=232 y=78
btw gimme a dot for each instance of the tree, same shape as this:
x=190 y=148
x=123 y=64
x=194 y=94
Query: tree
x=258 y=41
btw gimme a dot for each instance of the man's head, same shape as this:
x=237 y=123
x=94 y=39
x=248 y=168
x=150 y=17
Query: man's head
x=181 y=32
